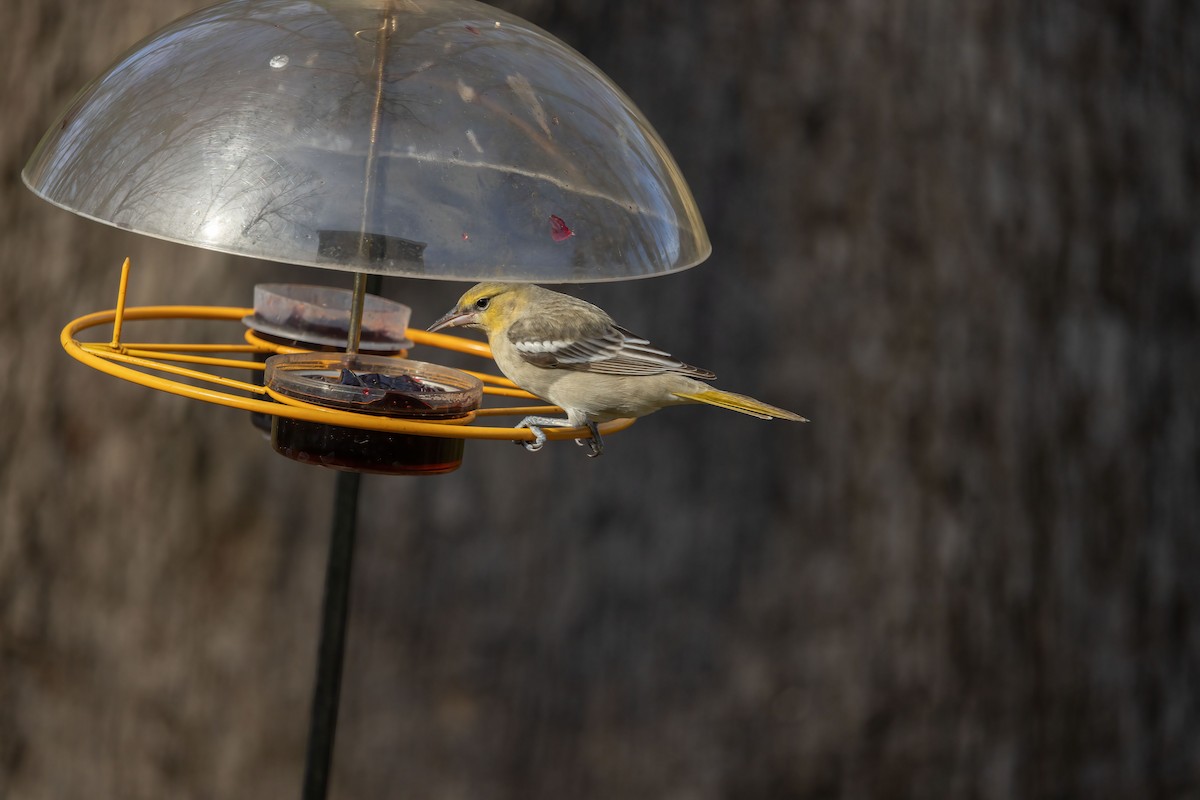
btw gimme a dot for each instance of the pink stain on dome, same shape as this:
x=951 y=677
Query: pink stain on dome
x=559 y=231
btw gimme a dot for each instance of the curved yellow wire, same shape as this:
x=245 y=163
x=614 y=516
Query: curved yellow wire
x=127 y=362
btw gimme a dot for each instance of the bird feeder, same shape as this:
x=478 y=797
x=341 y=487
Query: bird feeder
x=439 y=139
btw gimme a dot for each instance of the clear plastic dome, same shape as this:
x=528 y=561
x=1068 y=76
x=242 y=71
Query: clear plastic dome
x=439 y=138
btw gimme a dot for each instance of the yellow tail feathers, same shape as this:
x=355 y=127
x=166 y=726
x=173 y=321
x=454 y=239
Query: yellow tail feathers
x=740 y=403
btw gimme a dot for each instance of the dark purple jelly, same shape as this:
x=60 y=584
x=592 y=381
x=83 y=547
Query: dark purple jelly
x=377 y=386
x=365 y=451
x=257 y=418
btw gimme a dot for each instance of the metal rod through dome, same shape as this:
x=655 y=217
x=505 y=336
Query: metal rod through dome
x=359 y=300
x=357 y=304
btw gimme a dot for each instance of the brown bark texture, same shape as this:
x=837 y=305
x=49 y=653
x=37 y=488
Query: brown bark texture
x=961 y=236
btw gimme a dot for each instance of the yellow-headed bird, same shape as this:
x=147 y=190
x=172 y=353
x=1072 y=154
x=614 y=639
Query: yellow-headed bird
x=570 y=353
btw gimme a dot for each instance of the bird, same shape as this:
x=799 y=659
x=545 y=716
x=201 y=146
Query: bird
x=571 y=353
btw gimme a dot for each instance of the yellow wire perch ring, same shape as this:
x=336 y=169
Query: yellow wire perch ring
x=161 y=366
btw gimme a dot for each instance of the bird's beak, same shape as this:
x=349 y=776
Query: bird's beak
x=453 y=319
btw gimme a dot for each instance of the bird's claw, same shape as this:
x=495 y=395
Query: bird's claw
x=539 y=436
x=595 y=442
x=596 y=447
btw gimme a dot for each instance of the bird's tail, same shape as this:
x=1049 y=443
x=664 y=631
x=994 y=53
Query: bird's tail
x=740 y=403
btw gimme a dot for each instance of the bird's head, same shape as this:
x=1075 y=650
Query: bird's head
x=486 y=306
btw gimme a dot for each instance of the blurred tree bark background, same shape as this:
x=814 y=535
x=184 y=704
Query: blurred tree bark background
x=962 y=237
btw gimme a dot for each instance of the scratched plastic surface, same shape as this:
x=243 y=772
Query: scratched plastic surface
x=441 y=139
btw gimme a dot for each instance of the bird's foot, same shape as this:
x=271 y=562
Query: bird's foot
x=539 y=437
x=595 y=442
x=535 y=425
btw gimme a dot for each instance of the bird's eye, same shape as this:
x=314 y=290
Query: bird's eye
x=482 y=303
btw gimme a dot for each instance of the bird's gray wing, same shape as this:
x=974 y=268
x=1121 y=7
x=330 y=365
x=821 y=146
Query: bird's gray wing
x=599 y=346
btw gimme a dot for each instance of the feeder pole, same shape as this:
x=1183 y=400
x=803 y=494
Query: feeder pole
x=331 y=649
x=336 y=605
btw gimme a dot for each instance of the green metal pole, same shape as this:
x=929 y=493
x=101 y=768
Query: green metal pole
x=331 y=649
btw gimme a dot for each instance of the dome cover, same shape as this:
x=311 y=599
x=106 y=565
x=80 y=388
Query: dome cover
x=428 y=138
